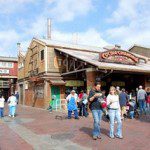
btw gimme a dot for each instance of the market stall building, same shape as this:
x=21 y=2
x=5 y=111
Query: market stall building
x=51 y=69
x=8 y=75
x=141 y=50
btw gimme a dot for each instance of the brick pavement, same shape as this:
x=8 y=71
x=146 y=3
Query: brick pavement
x=37 y=129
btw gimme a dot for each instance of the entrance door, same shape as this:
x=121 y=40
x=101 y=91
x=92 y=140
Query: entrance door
x=21 y=94
x=55 y=94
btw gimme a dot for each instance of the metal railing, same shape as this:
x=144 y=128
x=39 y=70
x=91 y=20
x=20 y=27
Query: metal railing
x=60 y=104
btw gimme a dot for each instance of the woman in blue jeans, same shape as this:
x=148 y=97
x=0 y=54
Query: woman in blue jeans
x=114 y=113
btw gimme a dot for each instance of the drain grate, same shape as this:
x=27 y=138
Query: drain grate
x=63 y=136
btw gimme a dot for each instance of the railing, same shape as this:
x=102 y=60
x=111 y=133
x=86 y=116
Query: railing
x=59 y=104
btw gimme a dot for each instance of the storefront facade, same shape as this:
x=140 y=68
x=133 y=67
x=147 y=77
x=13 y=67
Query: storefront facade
x=8 y=76
x=51 y=69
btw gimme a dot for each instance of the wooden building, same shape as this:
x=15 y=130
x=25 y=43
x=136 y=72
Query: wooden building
x=141 y=50
x=51 y=69
x=8 y=75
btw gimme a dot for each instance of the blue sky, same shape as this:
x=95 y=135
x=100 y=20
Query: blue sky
x=93 y=22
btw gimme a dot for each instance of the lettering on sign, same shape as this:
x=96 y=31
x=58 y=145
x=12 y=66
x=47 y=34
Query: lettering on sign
x=4 y=71
x=119 y=56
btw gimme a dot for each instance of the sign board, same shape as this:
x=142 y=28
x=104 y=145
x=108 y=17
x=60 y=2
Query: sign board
x=118 y=83
x=74 y=83
x=119 y=56
x=4 y=71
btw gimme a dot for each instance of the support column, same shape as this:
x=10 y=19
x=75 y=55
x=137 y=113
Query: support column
x=47 y=94
x=91 y=78
x=147 y=81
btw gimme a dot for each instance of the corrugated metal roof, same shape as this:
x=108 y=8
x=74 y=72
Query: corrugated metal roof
x=2 y=58
x=143 y=46
x=93 y=58
x=70 y=45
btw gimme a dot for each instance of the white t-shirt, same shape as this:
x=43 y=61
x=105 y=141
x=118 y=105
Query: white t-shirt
x=12 y=101
x=70 y=95
x=113 y=101
x=2 y=100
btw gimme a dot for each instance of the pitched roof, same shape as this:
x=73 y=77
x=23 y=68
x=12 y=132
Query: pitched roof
x=142 y=46
x=3 y=58
x=70 y=45
x=93 y=58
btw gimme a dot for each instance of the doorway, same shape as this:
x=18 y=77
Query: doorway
x=55 y=95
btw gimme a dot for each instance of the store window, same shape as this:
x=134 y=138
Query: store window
x=42 y=54
x=6 y=64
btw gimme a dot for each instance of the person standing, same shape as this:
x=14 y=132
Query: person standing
x=123 y=99
x=2 y=101
x=114 y=113
x=82 y=104
x=12 y=102
x=17 y=97
x=148 y=99
x=141 y=97
x=72 y=104
x=96 y=109
x=118 y=90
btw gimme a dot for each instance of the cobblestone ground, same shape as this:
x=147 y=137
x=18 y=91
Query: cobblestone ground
x=37 y=129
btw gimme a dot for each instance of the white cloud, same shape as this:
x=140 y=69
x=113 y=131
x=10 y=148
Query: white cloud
x=37 y=27
x=90 y=37
x=8 y=40
x=67 y=10
x=129 y=9
x=11 y=6
x=137 y=31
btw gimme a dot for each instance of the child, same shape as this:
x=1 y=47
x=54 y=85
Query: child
x=131 y=105
x=50 y=106
x=2 y=100
x=103 y=104
x=51 y=103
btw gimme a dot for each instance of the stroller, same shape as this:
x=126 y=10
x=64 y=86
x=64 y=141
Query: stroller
x=132 y=111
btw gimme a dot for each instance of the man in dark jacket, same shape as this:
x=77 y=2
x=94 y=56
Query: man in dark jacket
x=123 y=99
x=94 y=96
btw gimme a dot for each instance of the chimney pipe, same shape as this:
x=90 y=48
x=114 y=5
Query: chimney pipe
x=48 y=29
x=19 y=47
x=117 y=46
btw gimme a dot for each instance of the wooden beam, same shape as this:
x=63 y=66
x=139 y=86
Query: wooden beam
x=72 y=72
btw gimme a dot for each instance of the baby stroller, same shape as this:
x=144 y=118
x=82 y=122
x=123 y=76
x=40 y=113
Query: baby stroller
x=132 y=111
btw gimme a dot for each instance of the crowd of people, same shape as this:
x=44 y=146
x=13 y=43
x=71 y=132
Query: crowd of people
x=12 y=103
x=116 y=106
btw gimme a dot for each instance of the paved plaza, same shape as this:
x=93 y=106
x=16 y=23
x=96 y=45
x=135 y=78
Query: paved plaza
x=38 y=129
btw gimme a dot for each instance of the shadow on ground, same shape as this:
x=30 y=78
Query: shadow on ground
x=88 y=131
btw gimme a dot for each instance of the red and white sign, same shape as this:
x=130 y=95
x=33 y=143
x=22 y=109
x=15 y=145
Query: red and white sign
x=119 y=56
